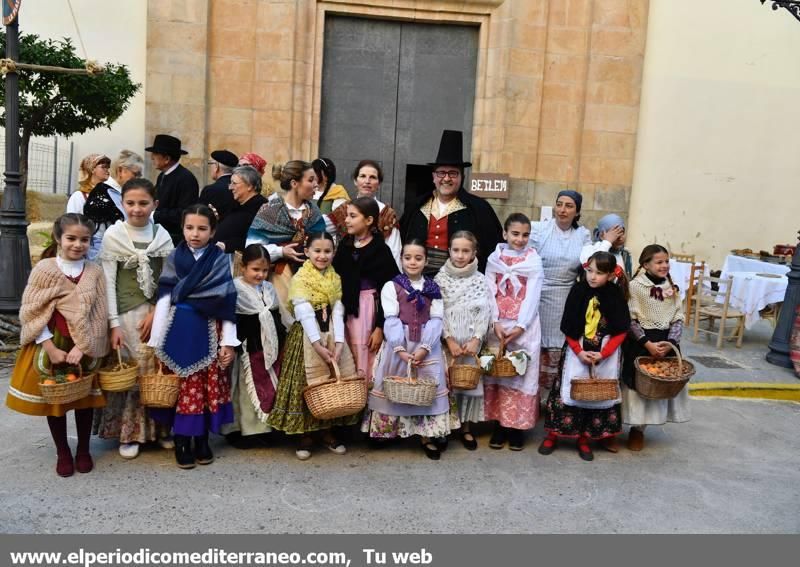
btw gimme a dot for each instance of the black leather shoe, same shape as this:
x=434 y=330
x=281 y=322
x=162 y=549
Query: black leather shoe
x=441 y=443
x=498 y=438
x=469 y=441
x=202 y=452
x=432 y=451
x=516 y=439
x=183 y=452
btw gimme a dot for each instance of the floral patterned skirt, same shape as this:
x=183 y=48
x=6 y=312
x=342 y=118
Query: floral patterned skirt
x=290 y=413
x=382 y=426
x=571 y=421
x=124 y=417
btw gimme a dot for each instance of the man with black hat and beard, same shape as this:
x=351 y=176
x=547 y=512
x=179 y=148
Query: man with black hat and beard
x=218 y=195
x=449 y=208
x=176 y=186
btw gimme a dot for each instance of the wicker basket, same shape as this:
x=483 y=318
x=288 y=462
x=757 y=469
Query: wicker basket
x=159 y=390
x=465 y=376
x=655 y=387
x=502 y=367
x=67 y=392
x=339 y=397
x=593 y=389
x=120 y=380
x=410 y=389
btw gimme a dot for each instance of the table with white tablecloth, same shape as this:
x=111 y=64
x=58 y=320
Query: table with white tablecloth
x=735 y=263
x=751 y=292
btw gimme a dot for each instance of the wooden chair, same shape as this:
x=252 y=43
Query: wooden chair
x=691 y=290
x=708 y=307
x=771 y=313
x=682 y=257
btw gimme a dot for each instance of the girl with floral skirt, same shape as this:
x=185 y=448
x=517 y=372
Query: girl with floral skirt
x=365 y=264
x=254 y=378
x=656 y=323
x=412 y=304
x=595 y=322
x=315 y=340
x=467 y=313
x=132 y=254
x=64 y=321
x=514 y=276
x=194 y=334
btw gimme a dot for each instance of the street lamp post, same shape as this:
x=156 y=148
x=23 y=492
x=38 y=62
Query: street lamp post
x=15 y=258
x=779 y=345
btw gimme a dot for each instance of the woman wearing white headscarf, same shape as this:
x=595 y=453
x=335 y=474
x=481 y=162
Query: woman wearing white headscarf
x=609 y=236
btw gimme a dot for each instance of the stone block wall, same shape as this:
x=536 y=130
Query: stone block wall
x=557 y=91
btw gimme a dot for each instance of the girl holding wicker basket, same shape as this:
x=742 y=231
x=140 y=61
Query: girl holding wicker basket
x=467 y=314
x=64 y=322
x=315 y=341
x=656 y=327
x=194 y=334
x=595 y=322
x=132 y=254
x=411 y=358
x=515 y=277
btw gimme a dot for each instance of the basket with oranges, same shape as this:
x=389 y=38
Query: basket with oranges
x=65 y=384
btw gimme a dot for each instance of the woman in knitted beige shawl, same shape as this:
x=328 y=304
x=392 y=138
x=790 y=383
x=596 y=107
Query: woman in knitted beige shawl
x=64 y=320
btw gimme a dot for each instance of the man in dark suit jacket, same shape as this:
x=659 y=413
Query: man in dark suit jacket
x=176 y=186
x=218 y=195
x=449 y=208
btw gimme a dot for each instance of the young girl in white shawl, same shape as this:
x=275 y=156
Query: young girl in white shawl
x=254 y=380
x=132 y=254
x=466 y=321
x=514 y=276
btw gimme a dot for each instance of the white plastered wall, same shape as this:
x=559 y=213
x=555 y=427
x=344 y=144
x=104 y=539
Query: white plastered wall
x=718 y=152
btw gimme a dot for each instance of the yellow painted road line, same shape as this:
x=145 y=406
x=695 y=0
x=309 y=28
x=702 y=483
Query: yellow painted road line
x=760 y=390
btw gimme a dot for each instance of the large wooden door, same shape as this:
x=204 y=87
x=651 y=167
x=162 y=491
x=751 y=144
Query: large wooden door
x=389 y=88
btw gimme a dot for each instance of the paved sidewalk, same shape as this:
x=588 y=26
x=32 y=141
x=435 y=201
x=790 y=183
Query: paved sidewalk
x=746 y=364
x=733 y=468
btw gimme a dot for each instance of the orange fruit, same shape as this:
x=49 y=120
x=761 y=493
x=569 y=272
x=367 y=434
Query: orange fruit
x=71 y=377
x=49 y=382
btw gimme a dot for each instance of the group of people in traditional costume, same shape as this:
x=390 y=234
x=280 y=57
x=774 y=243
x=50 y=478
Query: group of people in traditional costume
x=252 y=312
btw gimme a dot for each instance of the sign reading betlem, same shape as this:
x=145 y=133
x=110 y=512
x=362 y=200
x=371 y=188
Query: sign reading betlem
x=489 y=185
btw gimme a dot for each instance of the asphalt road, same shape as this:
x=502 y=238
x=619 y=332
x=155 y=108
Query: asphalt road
x=734 y=468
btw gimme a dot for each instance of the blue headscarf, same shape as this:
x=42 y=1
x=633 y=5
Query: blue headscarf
x=607 y=223
x=578 y=198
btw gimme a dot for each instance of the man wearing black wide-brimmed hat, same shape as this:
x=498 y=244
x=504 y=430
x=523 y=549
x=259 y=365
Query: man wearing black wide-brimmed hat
x=218 y=195
x=176 y=186
x=449 y=208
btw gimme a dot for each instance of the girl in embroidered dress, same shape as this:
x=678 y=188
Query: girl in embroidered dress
x=365 y=264
x=514 y=276
x=64 y=321
x=467 y=313
x=595 y=322
x=132 y=254
x=315 y=340
x=194 y=334
x=656 y=322
x=412 y=304
x=255 y=373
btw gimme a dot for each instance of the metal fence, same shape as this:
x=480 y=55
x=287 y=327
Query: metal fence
x=50 y=165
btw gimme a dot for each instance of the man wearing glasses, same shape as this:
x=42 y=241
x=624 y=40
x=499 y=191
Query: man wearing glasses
x=218 y=195
x=449 y=208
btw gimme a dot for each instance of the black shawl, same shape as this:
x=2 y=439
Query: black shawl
x=613 y=308
x=100 y=208
x=373 y=262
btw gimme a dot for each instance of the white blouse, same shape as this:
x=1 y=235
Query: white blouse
x=304 y=312
x=159 y=328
